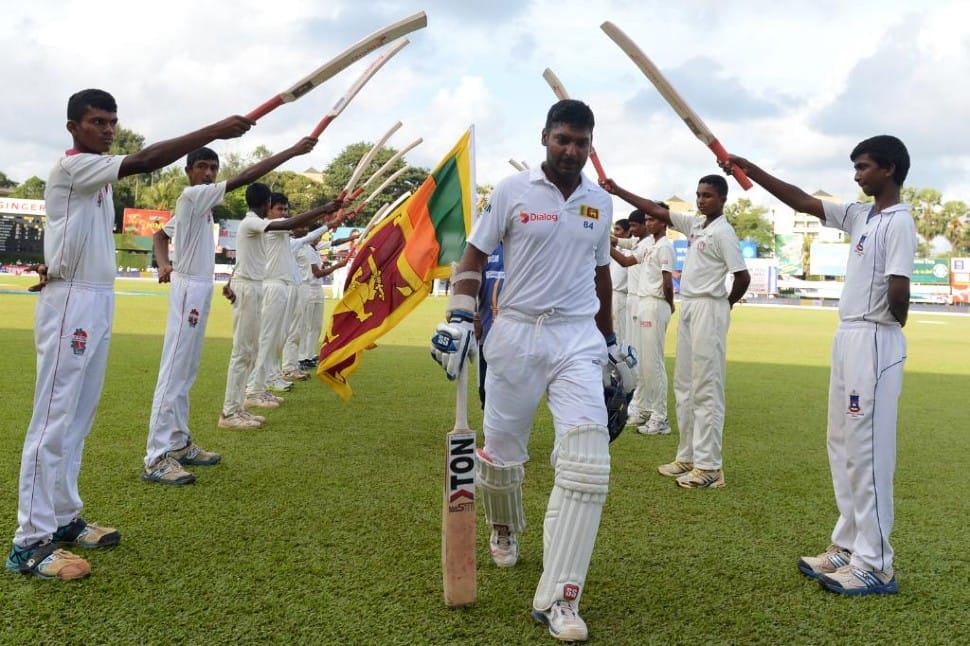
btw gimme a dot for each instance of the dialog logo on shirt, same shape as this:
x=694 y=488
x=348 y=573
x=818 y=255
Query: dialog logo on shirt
x=589 y=212
x=525 y=217
x=79 y=341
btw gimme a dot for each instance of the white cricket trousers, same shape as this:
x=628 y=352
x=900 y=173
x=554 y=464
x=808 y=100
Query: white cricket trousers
x=699 y=373
x=245 y=341
x=864 y=388
x=561 y=357
x=298 y=329
x=189 y=301
x=653 y=318
x=272 y=334
x=72 y=332
x=621 y=319
x=310 y=347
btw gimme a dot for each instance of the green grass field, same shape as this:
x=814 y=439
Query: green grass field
x=324 y=527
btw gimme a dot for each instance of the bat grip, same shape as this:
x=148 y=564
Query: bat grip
x=321 y=126
x=722 y=156
x=265 y=108
x=593 y=157
x=461 y=397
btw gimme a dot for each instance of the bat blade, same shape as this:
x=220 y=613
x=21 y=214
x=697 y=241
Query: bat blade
x=342 y=61
x=560 y=91
x=673 y=98
x=458 y=531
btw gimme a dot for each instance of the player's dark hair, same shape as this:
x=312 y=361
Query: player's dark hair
x=201 y=153
x=885 y=150
x=79 y=103
x=572 y=113
x=257 y=195
x=718 y=182
x=623 y=223
x=661 y=203
x=637 y=216
x=278 y=198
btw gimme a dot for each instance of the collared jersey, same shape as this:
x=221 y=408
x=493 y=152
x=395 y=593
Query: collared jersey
x=250 y=252
x=883 y=244
x=638 y=248
x=280 y=264
x=79 y=243
x=713 y=252
x=191 y=230
x=659 y=258
x=552 y=244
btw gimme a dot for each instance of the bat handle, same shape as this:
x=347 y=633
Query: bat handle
x=265 y=108
x=593 y=157
x=722 y=156
x=461 y=398
x=321 y=126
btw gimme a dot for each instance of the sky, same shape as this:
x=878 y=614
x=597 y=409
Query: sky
x=793 y=85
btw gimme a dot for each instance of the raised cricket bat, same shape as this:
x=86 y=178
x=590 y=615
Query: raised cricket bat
x=364 y=162
x=342 y=61
x=458 y=509
x=516 y=164
x=667 y=91
x=371 y=70
x=560 y=91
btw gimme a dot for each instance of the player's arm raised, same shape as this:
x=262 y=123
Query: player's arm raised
x=649 y=207
x=790 y=194
x=288 y=224
x=260 y=168
x=165 y=152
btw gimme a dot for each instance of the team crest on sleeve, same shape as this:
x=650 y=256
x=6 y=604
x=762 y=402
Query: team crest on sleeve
x=79 y=341
x=855 y=409
x=589 y=212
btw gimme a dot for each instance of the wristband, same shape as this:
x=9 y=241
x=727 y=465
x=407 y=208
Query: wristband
x=462 y=315
x=610 y=339
x=462 y=302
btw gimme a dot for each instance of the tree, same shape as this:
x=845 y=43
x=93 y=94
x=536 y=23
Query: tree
x=925 y=205
x=32 y=189
x=164 y=192
x=749 y=224
x=6 y=182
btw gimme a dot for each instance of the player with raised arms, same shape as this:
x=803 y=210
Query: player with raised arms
x=72 y=330
x=868 y=354
x=553 y=336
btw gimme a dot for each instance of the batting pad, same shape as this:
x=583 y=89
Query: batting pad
x=573 y=515
x=500 y=492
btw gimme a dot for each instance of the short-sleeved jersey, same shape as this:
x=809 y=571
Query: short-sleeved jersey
x=618 y=274
x=552 y=244
x=634 y=273
x=659 y=258
x=713 y=252
x=492 y=279
x=250 y=252
x=191 y=230
x=79 y=243
x=883 y=244
x=280 y=264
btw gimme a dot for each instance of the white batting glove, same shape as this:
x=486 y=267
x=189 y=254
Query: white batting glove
x=624 y=358
x=454 y=342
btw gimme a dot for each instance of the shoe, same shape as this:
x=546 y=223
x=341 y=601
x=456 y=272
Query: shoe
x=825 y=563
x=194 y=455
x=675 y=469
x=87 y=535
x=654 y=427
x=638 y=419
x=503 y=546
x=259 y=418
x=261 y=400
x=47 y=562
x=857 y=581
x=279 y=386
x=295 y=375
x=564 y=622
x=702 y=479
x=273 y=397
x=237 y=421
x=167 y=470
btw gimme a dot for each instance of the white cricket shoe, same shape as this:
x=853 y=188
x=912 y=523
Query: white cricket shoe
x=503 y=546
x=654 y=427
x=563 y=621
x=237 y=421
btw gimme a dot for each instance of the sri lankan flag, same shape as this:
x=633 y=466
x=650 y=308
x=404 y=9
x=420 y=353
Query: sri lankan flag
x=396 y=263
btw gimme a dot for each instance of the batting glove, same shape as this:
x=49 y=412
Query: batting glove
x=623 y=357
x=454 y=342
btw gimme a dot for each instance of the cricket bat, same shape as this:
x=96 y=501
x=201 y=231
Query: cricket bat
x=560 y=91
x=667 y=91
x=342 y=61
x=458 y=509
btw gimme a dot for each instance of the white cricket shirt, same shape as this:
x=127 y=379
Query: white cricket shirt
x=79 y=243
x=250 y=252
x=618 y=274
x=883 y=245
x=552 y=244
x=712 y=253
x=190 y=229
x=659 y=258
x=280 y=264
